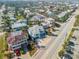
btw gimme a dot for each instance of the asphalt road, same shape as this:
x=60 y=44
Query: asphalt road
x=42 y=51
x=51 y=52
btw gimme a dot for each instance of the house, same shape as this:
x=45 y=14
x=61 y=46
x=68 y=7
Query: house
x=17 y=40
x=64 y=15
x=36 y=32
x=49 y=22
x=41 y=11
x=19 y=25
x=49 y=13
x=38 y=18
x=13 y=20
x=27 y=12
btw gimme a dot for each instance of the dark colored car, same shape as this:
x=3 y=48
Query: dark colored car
x=17 y=51
x=71 y=43
x=66 y=56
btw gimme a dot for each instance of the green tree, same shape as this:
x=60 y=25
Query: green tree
x=6 y=22
x=61 y=53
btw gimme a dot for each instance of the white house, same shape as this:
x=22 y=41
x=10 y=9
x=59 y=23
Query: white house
x=19 y=24
x=36 y=32
x=62 y=14
x=49 y=22
x=38 y=18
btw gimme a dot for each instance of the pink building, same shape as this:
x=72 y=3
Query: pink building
x=16 y=39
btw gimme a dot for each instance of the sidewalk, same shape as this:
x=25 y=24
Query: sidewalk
x=46 y=40
x=26 y=56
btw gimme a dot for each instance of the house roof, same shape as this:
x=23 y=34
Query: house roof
x=16 y=33
x=50 y=19
x=22 y=21
x=15 y=37
x=62 y=14
x=17 y=25
x=35 y=30
x=38 y=17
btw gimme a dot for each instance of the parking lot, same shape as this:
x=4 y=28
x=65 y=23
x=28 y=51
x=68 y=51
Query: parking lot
x=72 y=49
x=76 y=47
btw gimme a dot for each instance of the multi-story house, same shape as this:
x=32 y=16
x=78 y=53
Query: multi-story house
x=38 y=18
x=49 y=22
x=16 y=40
x=19 y=25
x=36 y=32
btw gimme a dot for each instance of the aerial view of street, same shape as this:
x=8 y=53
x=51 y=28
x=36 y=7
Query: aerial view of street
x=39 y=29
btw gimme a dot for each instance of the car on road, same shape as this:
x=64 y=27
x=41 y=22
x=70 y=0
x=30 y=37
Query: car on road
x=69 y=51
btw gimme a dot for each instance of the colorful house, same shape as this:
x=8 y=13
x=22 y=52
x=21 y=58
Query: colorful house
x=16 y=40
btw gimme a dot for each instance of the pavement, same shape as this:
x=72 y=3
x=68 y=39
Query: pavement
x=47 y=42
x=25 y=56
x=52 y=51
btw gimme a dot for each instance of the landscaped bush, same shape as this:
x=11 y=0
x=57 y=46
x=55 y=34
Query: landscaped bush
x=32 y=49
x=66 y=43
x=61 y=53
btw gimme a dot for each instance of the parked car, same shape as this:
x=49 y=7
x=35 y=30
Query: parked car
x=69 y=51
x=66 y=56
x=71 y=43
x=54 y=34
x=17 y=51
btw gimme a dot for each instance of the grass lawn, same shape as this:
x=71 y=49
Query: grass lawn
x=19 y=17
x=2 y=46
x=2 y=43
x=1 y=55
x=32 y=49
